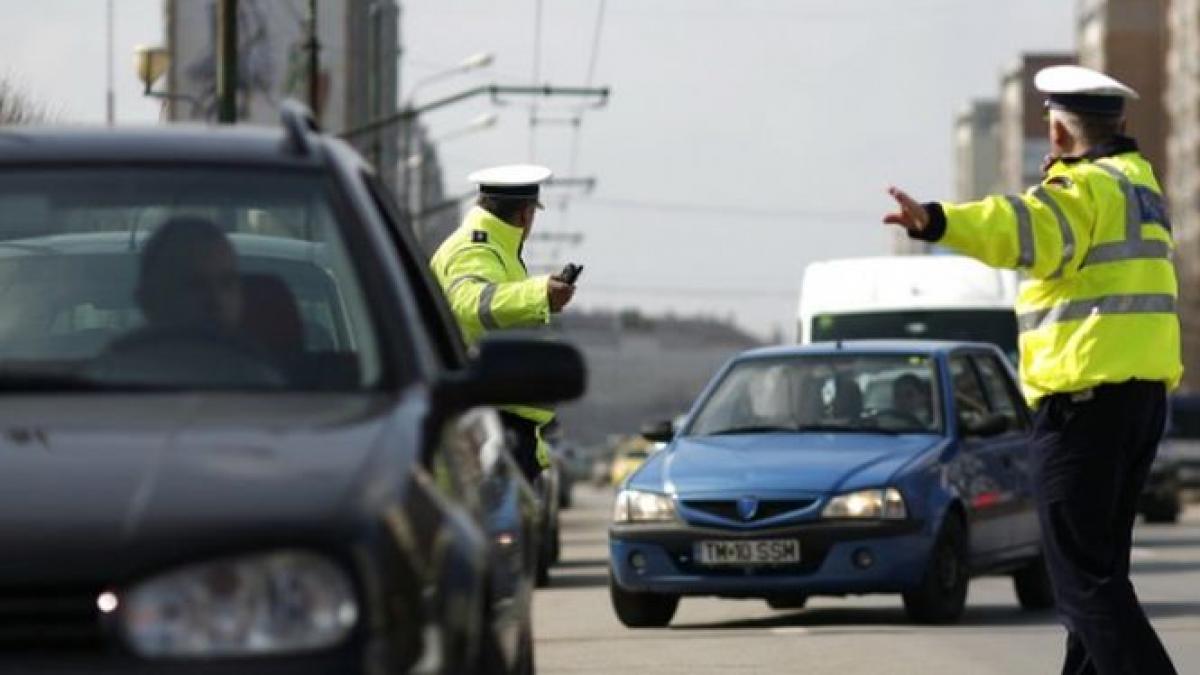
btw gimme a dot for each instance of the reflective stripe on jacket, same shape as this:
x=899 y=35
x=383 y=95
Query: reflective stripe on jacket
x=1094 y=239
x=480 y=270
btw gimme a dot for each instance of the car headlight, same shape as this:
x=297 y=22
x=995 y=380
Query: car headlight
x=635 y=506
x=880 y=504
x=266 y=604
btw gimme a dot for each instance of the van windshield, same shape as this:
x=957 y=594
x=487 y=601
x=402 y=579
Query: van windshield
x=996 y=326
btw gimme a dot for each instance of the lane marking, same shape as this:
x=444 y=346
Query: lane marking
x=1139 y=553
x=790 y=630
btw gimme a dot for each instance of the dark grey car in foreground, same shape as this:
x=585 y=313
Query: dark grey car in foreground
x=239 y=433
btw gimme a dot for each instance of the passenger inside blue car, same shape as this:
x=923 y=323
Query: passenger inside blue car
x=910 y=395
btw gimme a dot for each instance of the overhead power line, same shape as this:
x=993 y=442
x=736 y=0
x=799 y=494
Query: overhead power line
x=690 y=291
x=731 y=210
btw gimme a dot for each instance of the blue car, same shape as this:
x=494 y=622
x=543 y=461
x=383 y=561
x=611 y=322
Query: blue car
x=836 y=469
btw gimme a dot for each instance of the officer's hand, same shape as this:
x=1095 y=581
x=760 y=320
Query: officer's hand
x=911 y=216
x=560 y=293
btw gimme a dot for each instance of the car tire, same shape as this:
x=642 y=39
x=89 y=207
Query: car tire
x=642 y=610
x=491 y=659
x=1162 y=511
x=525 y=662
x=787 y=601
x=942 y=594
x=1032 y=584
x=542 y=575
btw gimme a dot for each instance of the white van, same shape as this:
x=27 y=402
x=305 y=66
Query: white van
x=932 y=297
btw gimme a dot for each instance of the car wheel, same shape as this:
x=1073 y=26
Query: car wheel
x=942 y=594
x=1032 y=583
x=787 y=601
x=642 y=610
x=542 y=578
x=525 y=662
x=491 y=659
x=1162 y=511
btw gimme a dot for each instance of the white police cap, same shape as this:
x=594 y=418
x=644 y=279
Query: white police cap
x=518 y=181
x=1083 y=90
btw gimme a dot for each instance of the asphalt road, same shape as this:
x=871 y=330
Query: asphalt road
x=576 y=630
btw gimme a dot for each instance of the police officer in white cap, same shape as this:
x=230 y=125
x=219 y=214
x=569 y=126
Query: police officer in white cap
x=1099 y=342
x=480 y=269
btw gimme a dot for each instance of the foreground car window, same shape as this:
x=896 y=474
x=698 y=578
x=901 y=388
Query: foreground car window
x=178 y=278
x=888 y=393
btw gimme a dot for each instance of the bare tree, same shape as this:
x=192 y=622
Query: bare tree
x=16 y=107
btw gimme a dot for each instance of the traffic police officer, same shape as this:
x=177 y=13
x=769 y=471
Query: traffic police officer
x=1099 y=342
x=488 y=287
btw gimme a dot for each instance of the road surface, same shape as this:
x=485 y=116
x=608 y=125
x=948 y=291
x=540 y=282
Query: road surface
x=576 y=630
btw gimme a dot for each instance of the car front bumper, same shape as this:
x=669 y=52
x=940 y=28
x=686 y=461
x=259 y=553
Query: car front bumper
x=827 y=560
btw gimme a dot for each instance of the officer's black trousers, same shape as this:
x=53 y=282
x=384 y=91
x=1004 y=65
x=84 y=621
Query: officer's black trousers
x=523 y=443
x=1092 y=458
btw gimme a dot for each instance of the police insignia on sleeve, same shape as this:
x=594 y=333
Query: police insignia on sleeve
x=479 y=237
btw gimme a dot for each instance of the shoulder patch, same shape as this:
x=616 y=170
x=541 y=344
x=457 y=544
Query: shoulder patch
x=1060 y=181
x=478 y=237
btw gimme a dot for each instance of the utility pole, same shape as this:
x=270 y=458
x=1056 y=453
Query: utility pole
x=227 y=61
x=314 y=62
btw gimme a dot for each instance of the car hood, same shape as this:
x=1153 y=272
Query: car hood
x=814 y=463
x=100 y=479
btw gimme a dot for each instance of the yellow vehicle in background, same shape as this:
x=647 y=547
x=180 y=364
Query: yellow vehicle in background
x=628 y=455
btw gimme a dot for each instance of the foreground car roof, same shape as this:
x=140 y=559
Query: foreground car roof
x=174 y=143
x=927 y=347
x=112 y=243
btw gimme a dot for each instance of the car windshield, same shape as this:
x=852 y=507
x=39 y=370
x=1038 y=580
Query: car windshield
x=995 y=326
x=837 y=393
x=178 y=278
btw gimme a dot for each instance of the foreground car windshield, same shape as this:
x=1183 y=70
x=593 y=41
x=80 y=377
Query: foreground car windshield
x=178 y=278
x=886 y=393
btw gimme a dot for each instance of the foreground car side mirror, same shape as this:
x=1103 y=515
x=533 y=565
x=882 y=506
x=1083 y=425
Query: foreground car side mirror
x=983 y=426
x=515 y=369
x=658 y=432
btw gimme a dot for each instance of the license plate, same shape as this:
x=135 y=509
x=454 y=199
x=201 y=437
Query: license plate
x=748 y=552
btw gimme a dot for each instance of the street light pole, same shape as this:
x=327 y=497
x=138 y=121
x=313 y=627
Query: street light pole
x=314 y=62
x=414 y=166
x=495 y=90
x=227 y=66
x=410 y=176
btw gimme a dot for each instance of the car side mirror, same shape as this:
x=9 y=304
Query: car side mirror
x=983 y=426
x=515 y=369
x=658 y=432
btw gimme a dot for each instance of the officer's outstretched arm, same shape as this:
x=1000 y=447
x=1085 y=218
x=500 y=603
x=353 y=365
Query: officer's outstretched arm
x=1045 y=231
x=482 y=302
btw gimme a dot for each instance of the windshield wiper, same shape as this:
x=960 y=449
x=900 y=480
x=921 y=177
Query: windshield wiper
x=760 y=429
x=845 y=428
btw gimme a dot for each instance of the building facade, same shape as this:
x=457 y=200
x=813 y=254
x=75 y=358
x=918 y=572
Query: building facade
x=1128 y=40
x=1181 y=101
x=1022 y=137
x=977 y=150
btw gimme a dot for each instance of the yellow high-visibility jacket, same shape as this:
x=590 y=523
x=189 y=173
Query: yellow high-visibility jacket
x=480 y=270
x=1094 y=239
